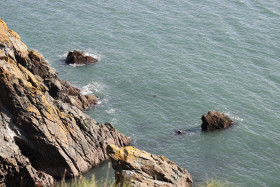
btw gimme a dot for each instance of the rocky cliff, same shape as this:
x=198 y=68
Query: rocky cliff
x=43 y=132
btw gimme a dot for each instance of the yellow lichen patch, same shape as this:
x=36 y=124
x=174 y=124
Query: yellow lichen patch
x=3 y=24
x=10 y=67
x=127 y=154
x=34 y=110
x=35 y=56
x=116 y=153
x=14 y=34
x=29 y=76
x=4 y=37
x=21 y=49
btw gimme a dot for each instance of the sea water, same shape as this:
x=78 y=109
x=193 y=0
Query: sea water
x=162 y=64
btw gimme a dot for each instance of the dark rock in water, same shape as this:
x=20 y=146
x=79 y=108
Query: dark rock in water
x=180 y=132
x=43 y=131
x=215 y=120
x=134 y=167
x=78 y=57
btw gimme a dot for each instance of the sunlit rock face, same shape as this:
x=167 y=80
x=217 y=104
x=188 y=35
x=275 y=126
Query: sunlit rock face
x=134 y=167
x=43 y=131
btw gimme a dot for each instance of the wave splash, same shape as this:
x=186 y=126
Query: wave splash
x=234 y=117
x=92 y=87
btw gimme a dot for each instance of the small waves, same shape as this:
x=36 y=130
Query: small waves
x=234 y=117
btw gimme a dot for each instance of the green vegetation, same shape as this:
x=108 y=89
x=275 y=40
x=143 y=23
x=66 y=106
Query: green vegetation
x=217 y=183
x=83 y=182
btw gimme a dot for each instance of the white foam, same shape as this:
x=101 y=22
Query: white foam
x=234 y=117
x=110 y=111
x=103 y=101
x=92 y=87
x=93 y=53
x=77 y=65
x=64 y=55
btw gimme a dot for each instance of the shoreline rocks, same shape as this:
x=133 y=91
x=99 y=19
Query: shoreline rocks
x=215 y=120
x=43 y=131
x=78 y=57
x=134 y=167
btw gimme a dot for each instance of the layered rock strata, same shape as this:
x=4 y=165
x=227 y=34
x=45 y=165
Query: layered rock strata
x=43 y=132
x=134 y=167
x=215 y=120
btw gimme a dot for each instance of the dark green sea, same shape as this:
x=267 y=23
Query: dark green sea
x=162 y=64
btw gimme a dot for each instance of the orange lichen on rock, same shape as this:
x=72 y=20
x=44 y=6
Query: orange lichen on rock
x=4 y=37
x=11 y=40
x=126 y=153
x=139 y=168
x=45 y=127
x=14 y=34
x=35 y=56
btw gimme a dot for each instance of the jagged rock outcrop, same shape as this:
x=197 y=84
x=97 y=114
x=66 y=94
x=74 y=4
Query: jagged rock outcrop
x=43 y=131
x=78 y=57
x=134 y=167
x=215 y=120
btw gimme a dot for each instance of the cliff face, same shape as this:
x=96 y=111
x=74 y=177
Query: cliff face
x=43 y=132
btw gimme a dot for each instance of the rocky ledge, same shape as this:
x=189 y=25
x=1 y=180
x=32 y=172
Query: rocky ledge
x=134 y=167
x=43 y=132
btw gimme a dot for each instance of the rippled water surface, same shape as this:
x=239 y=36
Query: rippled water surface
x=165 y=63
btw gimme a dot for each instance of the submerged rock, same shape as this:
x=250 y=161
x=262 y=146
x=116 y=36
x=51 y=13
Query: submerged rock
x=134 y=167
x=78 y=57
x=180 y=131
x=43 y=131
x=215 y=120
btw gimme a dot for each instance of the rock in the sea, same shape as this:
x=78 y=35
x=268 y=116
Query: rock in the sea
x=134 y=167
x=78 y=57
x=43 y=131
x=215 y=120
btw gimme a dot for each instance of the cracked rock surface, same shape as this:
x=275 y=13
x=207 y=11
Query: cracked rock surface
x=43 y=131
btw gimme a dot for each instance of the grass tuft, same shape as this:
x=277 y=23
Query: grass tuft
x=217 y=183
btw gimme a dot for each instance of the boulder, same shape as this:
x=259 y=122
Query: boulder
x=43 y=131
x=134 y=167
x=78 y=57
x=215 y=120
